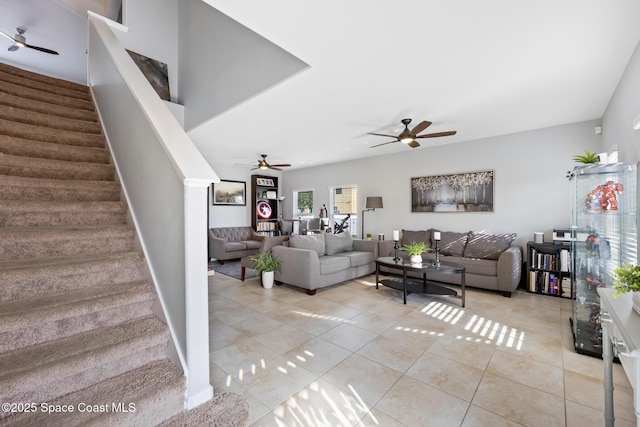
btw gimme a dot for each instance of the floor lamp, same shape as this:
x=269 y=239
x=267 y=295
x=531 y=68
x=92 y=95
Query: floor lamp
x=370 y=204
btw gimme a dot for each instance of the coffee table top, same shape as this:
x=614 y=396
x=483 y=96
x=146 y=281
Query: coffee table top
x=444 y=267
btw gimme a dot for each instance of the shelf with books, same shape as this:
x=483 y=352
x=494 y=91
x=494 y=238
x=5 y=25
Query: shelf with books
x=549 y=269
x=264 y=195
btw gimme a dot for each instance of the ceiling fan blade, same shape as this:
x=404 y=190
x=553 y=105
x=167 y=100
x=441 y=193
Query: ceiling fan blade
x=437 y=134
x=420 y=127
x=413 y=144
x=382 y=134
x=282 y=165
x=13 y=48
x=275 y=169
x=7 y=35
x=384 y=143
x=42 y=49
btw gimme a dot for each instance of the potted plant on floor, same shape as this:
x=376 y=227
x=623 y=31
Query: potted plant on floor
x=415 y=250
x=267 y=265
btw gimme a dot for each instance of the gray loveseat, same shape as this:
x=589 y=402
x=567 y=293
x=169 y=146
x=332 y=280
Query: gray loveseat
x=233 y=242
x=491 y=260
x=319 y=260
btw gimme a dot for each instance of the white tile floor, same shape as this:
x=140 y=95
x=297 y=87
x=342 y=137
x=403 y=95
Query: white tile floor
x=355 y=356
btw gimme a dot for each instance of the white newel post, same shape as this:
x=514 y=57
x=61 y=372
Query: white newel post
x=199 y=390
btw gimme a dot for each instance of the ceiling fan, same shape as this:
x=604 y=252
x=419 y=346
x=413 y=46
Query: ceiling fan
x=409 y=136
x=262 y=164
x=21 y=41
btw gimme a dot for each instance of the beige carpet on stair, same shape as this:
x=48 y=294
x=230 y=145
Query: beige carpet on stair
x=225 y=410
x=77 y=319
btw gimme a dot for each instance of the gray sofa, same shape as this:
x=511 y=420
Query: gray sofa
x=491 y=260
x=318 y=260
x=233 y=242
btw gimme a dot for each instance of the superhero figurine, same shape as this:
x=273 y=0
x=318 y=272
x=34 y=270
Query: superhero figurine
x=603 y=197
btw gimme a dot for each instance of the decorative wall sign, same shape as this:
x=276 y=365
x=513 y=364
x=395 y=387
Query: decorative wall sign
x=233 y=193
x=458 y=192
x=264 y=210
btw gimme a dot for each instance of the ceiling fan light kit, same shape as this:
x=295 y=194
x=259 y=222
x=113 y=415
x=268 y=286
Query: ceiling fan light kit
x=20 y=41
x=409 y=137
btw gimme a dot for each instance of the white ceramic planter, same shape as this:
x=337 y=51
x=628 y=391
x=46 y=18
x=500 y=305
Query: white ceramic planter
x=415 y=259
x=267 y=279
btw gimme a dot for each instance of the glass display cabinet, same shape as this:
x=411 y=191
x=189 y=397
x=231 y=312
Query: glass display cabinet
x=604 y=232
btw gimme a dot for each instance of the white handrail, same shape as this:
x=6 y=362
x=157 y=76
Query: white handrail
x=165 y=181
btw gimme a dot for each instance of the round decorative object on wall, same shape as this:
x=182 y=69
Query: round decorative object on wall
x=264 y=210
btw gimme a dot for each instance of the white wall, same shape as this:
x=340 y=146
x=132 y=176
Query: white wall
x=232 y=216
x=621 y=111
x=224 y=63
x=531 y=188
x=153 y=32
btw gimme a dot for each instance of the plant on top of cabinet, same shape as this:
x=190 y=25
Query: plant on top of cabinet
x=587 y=158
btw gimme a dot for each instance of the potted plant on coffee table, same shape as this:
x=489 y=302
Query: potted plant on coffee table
x=415 y=251
x=267 y=265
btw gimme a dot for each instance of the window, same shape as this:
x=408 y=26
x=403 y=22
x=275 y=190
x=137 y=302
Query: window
x=344 y=202
x=303 y=203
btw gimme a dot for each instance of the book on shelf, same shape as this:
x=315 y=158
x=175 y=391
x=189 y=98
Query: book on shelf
x=545 y=282
x=565 y=286
x=560 y=261
x=565 y=260
x=266 y=226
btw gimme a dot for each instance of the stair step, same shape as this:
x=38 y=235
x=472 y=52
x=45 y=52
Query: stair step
x=18 y=243
x=61 y=274
x=155 y=389
x=21 y=115
x=38 y=95
x=23 y=188
x=12 y=100
x=54 y=169
x=46 y=317
x=46 y=87
x=43 y=133
x=48 y=150
x=19 y=213
x=42 y=372
x=51 y=81
x=219 y=411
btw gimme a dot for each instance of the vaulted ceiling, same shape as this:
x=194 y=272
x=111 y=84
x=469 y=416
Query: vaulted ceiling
x=480 y=68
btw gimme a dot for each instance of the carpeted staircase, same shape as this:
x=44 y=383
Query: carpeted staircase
x=76 y=320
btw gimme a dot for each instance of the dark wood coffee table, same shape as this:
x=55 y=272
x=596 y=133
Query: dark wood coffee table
x=415 y=285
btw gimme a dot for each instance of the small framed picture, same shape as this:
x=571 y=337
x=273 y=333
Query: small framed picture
x=265 y=182
x=230 y=193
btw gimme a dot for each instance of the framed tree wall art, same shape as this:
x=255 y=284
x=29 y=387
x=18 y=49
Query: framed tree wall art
x=230 y=193
x=456 y=192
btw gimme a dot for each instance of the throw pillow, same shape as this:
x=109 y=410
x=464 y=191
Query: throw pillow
x=418 y=236
x=488 y=246
x=452 y=243
x=314 y=242
x=336 y=243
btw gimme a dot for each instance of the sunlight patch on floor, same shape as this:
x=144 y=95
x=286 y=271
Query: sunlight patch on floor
x=322 y=316
x=491 y=332
x=316 y=406
x=443 y=312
